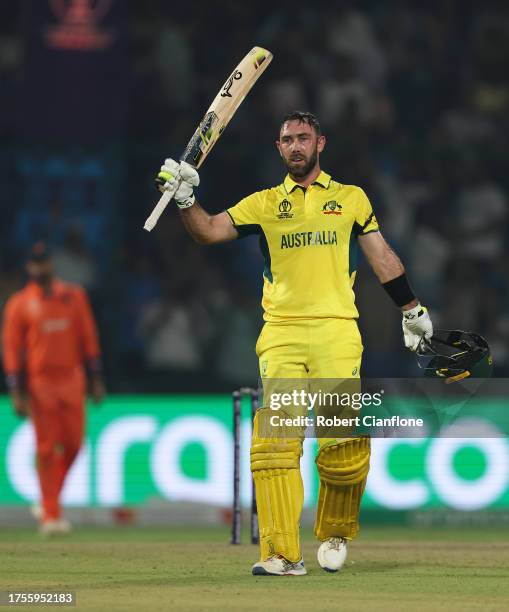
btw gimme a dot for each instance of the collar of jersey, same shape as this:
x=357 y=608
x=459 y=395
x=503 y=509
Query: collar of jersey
x=323 y=179
x=36 y=289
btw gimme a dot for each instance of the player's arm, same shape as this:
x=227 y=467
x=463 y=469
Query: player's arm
x=208 y=229
x=90 y=346
x=13 y=334
x=203 y=228
x=383 y=260
x=391 y=273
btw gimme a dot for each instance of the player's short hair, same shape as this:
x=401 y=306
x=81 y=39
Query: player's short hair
x=303 y=117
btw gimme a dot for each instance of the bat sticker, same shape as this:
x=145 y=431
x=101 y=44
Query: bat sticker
x=225 y=92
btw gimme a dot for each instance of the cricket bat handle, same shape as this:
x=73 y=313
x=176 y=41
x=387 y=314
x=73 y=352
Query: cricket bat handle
x=164 y=200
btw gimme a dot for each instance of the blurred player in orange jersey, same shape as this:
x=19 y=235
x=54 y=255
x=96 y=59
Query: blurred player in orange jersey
x=49 y=343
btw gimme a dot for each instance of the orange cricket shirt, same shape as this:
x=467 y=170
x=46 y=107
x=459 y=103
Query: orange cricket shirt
x=48 y=334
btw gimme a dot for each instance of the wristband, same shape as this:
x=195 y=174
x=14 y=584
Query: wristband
x=399 y=290
x=12 y=381
x=94 y=365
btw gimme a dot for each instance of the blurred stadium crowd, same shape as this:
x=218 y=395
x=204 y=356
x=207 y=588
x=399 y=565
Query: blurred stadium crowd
x=414 y=101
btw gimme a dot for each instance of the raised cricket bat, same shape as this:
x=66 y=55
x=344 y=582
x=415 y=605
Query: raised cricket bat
x=217 y=117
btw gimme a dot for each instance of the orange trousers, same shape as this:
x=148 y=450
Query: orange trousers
x=58 y=414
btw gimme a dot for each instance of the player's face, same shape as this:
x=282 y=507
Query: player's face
x=40 y=271
x=299 y=146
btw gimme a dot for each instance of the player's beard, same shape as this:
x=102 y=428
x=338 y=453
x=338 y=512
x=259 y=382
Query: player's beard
x=42 y=278
x=301 y=171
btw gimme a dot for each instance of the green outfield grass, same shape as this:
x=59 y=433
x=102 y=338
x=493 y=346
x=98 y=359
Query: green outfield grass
x=184 y=569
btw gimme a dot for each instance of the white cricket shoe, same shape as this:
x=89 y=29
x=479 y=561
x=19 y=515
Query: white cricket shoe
x=332 y=554
x=56 y=527
x=36 y=511
x=279 y=566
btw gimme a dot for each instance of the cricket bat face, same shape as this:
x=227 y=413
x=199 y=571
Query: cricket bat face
x=216 y=118
x=227 y=101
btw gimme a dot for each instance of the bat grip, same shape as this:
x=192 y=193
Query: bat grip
x=164 y=200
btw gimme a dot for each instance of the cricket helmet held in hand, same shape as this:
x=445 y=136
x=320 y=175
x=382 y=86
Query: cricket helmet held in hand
x=453 y=354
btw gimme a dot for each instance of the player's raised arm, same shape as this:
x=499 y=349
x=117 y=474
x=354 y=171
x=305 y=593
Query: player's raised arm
x=204 y=228
x=215 y=120
x=391 y=273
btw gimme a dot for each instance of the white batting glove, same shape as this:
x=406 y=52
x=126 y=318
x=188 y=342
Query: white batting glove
x=416 y=326
x=190 y=178
x=182 y=174
x=166 y=177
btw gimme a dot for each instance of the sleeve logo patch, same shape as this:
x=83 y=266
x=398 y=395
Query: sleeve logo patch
x=264 y=367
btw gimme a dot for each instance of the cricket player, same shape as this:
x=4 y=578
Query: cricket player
x=49 y=342
x=308 y=226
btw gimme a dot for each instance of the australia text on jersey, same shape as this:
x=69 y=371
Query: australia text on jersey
x=301 y=239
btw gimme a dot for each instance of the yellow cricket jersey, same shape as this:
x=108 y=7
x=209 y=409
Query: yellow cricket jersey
x=308 y=238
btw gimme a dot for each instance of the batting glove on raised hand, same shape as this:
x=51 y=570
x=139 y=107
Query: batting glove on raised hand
x=416 y=326
x=180 y=177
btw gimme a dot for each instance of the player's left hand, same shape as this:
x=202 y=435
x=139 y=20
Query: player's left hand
x=416 y=326
x=165 y=179
x=97 y=389
x=180 y=176
x=190 y=179
x=21 y=404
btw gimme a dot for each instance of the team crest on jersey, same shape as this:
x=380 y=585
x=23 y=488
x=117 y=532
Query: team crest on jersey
x=285 y=207
x=332 y=208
